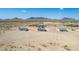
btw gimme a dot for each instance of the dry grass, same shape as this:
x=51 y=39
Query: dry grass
x=29 y=49
x=32 y=46
x=5 y=49
x=44 y=45
x=2 y=45
x=35 y=36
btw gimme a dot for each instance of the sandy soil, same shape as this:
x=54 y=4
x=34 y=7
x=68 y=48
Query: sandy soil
x=33 y=40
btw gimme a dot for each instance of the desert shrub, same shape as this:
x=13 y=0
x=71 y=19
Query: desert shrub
x=20 y=47
x=44 y=45
x=66 y=47
x=2 y=45
x=72 y=25
x=50 y=43
x=39 y=49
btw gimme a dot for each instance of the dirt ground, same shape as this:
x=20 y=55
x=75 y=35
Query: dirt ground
x=33 y=40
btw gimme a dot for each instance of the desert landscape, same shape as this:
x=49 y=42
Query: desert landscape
x=12 y=38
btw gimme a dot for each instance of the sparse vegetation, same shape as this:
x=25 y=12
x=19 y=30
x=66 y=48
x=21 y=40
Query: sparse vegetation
x=10 y=24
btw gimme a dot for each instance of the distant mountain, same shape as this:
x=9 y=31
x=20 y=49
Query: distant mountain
x=0 y=19
x=39 y=19
x=35 y=19
x=68 y=19
x=16 y=18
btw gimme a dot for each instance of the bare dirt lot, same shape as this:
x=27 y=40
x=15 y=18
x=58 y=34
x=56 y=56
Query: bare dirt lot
x=33 y=40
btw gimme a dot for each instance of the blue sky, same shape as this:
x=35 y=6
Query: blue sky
x=55 y=13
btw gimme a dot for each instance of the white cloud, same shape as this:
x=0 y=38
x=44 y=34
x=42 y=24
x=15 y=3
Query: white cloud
x=23 y=11
x=61 y=8
x=60 y=11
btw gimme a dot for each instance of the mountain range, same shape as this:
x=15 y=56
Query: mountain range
x=39 y=19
